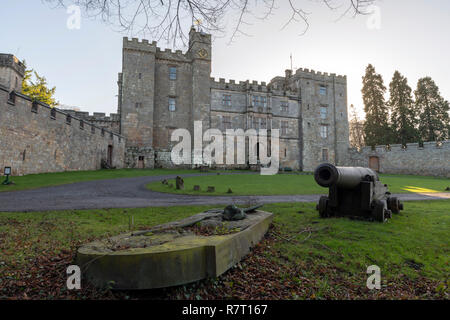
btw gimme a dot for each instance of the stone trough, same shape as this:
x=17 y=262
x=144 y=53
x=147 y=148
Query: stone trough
x=172 y=254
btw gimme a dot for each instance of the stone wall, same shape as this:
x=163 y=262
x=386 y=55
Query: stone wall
x=100 y=119
x=139 y=157
x=35 y=138
x=429 y=160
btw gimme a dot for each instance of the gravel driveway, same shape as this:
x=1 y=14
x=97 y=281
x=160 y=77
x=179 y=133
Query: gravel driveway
x=132 y=193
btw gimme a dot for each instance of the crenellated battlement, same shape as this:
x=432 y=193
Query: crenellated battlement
x=9 y=60
x=415 y=146
x=135 y=44
x=233 y=85
x=96 y=116
x=168 y=54
x=318 y=75
x=146 y=46
x=22 y=101
x=250 y=85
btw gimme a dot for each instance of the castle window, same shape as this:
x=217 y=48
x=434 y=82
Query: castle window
x=259 y=101
x=284 y=127
x=284 y=107
x=172 y=73
x=255 y=101
x=263 y=123
x=103 y=132
x=323 y=90
x=324 y=154
x=92 y=130
x=172 y=104
x=285 y=152
x=53 y=113
x=226 y=100
x=69 y=119
x=138 y=105
x=140 y=76
x=324 y=131
x=226 y=120
x=264 y=101
x=323 y=112
x=81 y=124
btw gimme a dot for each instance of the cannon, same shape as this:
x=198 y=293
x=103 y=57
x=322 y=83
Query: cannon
x=354 y=192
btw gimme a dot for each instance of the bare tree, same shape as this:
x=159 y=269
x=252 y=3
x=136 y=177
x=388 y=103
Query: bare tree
x=356 y=127
x=169 y=19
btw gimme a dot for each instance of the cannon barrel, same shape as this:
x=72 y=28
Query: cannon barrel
x=327 y=175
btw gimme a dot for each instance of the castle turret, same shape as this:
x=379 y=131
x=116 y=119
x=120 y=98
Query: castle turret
x=136 y=92
x=200 y=53
x=12 y=72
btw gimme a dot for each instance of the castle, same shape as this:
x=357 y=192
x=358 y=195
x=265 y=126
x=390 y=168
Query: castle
x=162 y=90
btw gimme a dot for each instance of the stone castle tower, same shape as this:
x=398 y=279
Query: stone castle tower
x=12 y=72
x=162 y=90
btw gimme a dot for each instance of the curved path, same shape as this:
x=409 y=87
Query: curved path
x=132 y=193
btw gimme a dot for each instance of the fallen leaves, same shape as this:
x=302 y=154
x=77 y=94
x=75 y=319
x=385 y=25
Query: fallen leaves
x=266 y=273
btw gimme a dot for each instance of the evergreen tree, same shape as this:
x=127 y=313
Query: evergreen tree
x=403 y=111
x=376 y=127
x=434 y=123
x=356 y=129
x=38 y=89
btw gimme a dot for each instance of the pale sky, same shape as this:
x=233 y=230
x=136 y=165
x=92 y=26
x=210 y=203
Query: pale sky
x=413 y=37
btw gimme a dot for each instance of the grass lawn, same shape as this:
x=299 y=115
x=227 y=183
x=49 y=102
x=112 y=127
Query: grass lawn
x=33 y=181
x=302 y=256
x=292 y=184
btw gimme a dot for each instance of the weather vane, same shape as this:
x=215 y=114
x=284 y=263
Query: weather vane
x=198 y=23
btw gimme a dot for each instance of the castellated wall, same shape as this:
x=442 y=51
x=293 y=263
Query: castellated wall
x=99 y=119
x=429 y=160
x=35 y=139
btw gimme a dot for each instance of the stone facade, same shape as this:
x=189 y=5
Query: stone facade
x=100 y=119
x=35 y=138
x=12 y=72
x=430 y=159
x=160 y=91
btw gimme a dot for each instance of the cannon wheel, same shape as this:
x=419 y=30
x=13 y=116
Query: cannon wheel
x=378 y=211
x=323 y=206
x=394 y=204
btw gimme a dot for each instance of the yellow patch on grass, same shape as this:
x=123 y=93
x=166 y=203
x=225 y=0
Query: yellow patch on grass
x=418 y=190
